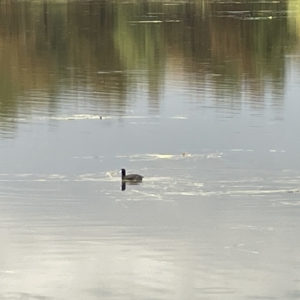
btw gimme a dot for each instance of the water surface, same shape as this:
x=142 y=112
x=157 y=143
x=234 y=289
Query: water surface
x=201 y=99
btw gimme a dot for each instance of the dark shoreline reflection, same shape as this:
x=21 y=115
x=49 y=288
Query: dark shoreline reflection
x=99 y=49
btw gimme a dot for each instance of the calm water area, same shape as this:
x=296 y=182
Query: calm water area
x=202 y=98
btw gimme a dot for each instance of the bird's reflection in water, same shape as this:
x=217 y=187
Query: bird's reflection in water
x=124 y=183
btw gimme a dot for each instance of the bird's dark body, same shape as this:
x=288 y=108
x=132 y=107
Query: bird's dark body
x=131 y=177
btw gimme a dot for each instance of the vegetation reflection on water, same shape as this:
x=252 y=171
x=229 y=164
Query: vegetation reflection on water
x=112 y=51
x=201 y=98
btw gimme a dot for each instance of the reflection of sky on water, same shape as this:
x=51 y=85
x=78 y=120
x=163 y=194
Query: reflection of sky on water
x=200 y=247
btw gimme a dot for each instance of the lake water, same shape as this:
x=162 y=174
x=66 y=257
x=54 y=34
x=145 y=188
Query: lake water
x=200 y=98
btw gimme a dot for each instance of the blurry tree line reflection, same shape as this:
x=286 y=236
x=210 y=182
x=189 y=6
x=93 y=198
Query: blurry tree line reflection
x=112 y=48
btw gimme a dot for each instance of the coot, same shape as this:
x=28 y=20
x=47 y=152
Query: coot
x=131 y=177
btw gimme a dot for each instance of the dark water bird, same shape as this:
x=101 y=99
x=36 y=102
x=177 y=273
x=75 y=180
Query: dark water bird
x=131 y=177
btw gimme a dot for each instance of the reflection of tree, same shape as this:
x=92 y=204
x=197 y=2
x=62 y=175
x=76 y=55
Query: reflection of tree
x=141 y=46
x=249 y=53
x=113 y=49
x=294 y=16
x=23 y=64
